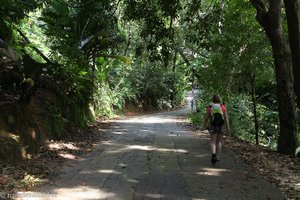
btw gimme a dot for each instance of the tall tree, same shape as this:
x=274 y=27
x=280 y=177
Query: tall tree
x=293 y=21
x=269 y=17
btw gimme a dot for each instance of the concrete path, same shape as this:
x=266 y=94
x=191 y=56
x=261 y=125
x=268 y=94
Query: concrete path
x=154 y=157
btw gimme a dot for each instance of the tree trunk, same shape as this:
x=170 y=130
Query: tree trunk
x=293 y=20
x=173 y=93
x=269 y=18
x=253 y=94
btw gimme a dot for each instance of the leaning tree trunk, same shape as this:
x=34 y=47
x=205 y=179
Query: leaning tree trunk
x=269 y=18
x=293 y=20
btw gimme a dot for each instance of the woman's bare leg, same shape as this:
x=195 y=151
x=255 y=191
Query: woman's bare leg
x=218 y=144
x=213 y=140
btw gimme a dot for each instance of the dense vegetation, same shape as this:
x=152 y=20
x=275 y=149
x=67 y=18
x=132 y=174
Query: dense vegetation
x=63 y=63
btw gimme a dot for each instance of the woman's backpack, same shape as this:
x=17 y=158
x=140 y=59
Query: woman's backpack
x=217 y=115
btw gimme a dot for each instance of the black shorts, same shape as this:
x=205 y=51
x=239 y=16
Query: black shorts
x=213 y=130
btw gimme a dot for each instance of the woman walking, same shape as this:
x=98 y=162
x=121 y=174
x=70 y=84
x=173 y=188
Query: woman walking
x=216 y=120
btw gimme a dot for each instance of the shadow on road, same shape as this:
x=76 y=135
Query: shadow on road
x=154 y=157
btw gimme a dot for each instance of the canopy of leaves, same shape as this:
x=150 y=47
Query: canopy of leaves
x=112 y=53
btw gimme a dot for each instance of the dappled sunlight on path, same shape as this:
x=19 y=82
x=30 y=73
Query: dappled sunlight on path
x=155 y=157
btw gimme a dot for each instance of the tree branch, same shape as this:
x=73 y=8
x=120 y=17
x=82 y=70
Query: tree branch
x=261 y=12
x=33 y=47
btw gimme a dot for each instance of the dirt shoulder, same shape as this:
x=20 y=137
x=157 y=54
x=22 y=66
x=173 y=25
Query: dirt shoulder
x=26 y=174
x=281 y=170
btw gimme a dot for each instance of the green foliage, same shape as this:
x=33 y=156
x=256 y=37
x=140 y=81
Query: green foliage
x=71 y=34
x=241 y=117
x=110 y=101
x=202 y=101
x=196 y=118
x=108 y=53
x=156 y=87
x=11 y=12
x=77 y=95
x=150 y=84
x=83 y=27
x=268 y=125
x=233 y=57
x=58 y=126
x=112 y=88
x=232 y=62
